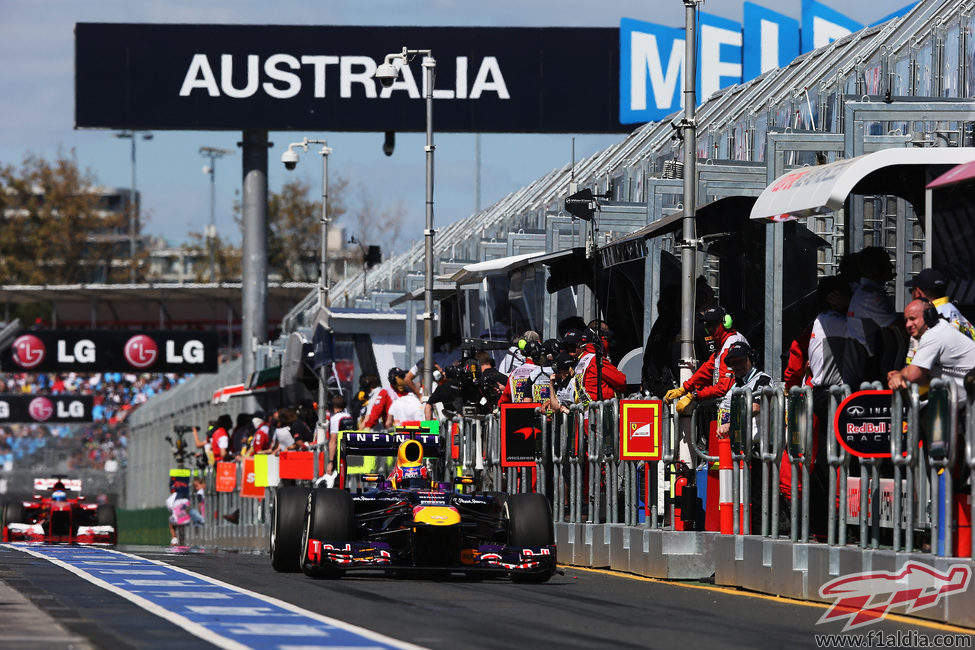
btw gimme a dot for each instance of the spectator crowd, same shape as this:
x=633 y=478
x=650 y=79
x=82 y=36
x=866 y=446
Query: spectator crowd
x=100 y=444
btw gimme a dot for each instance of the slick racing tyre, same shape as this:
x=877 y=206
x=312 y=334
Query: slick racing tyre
x=105 y=515
x=14 y=513
x=328 y=517
x=529 y=519
x=287 y=517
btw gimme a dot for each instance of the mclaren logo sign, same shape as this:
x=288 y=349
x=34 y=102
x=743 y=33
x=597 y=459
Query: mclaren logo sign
x=542 y=80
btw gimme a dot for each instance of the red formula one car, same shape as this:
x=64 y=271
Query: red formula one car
x=56 y=517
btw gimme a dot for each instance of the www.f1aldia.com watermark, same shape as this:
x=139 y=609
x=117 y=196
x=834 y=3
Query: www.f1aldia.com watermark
x=864 y=598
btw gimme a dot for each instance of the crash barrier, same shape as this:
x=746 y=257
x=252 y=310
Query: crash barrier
x=575 y=461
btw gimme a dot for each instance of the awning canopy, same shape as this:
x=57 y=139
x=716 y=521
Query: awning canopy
x=441 y=290
x=474 y=273
x=711 y=218
x=814 y=190
x=156 y=302
x=954 y=175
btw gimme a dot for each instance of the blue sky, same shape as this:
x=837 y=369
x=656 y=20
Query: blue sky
x=37 y=104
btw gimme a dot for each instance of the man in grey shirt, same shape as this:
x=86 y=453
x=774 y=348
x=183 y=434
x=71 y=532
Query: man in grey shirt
x=942 y=351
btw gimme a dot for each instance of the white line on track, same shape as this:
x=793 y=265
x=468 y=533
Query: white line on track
x=197 y=629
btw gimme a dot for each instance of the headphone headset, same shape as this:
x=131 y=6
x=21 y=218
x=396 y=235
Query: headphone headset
x=532 y=349
x=726 y=322
x=931 y=315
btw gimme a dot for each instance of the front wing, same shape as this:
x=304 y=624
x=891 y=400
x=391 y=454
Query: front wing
x=36 y=533
x=487 y=558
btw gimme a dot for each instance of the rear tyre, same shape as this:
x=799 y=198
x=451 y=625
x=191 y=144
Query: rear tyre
x=328 y=517
x=105 y=515
x=287 y=517
x=529 y=524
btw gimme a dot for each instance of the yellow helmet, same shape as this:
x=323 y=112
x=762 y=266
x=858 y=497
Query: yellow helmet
x=410 y=454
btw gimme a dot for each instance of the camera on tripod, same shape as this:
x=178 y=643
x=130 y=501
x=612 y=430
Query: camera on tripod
x=179 y=447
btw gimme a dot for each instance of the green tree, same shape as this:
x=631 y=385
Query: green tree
x=54 y=227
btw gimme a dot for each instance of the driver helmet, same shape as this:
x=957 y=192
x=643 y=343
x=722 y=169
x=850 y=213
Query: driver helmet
x=59 y=495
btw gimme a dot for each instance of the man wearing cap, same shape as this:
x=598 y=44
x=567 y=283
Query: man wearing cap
x=930 y=285
x=595 y=377
x=741 y=358
x=714 y=378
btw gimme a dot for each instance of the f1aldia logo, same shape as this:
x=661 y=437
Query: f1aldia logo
x=28 y=351
x=865 y=598
x=141 y=351
x=40 y=409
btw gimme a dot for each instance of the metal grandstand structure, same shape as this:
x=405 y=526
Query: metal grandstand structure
x=905 y=83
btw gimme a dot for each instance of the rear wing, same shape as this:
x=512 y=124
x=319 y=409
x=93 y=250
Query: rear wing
x=370 y=446
x=369 y=443
x=46 y=484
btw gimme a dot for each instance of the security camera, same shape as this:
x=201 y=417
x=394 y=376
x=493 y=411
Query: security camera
x=387 y=74
x=289 y=158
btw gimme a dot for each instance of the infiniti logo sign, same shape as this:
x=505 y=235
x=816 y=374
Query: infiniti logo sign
x=855 y=411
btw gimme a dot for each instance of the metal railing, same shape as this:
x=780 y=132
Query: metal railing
x=906 y=502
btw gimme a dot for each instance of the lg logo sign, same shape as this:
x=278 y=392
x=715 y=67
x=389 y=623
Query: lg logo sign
x=29 y=351
x=40 y=408
x=95 y=350
x=141 y=351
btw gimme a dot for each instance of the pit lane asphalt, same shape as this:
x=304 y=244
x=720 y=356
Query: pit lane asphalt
x=582 y=609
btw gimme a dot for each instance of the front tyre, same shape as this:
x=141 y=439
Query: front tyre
x=530 y=523
x=328 y=518
x=287 y=517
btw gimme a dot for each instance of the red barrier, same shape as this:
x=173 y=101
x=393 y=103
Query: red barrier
x=300 y=465
x=226 y=480
x=726 y=497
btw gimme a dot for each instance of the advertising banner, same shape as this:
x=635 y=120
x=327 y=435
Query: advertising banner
x=640 y=430
x=862 y=424
x=179 y=480
x=322 y=78
x=112 y=351
x=226 y=477
x=520 y=435
x=248 y=487
x=29 y=409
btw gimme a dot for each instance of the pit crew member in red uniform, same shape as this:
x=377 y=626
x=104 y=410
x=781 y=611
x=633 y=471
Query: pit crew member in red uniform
x=714 y=378
x=596 y=378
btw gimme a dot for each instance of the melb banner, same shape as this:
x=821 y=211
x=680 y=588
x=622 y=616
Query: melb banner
x=728 y=52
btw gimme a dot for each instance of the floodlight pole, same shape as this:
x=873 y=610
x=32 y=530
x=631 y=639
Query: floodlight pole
x=133 y=216
x=213 y=153
x=429 y=68
x=689 y=243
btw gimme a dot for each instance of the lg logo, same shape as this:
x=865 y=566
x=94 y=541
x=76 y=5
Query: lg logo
x=28 y=351
x=40 y=409
x=141 y=351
